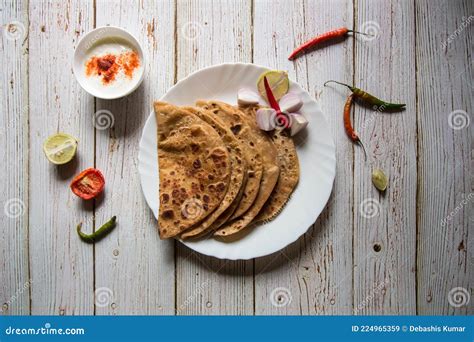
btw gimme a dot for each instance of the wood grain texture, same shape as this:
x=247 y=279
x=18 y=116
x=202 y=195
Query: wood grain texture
x=421 y=55
x=316 y=271
x=385 y=224
x=61 y=265
x=208 y=33
x=132 y=262
x=445 y=85
x=14 y=268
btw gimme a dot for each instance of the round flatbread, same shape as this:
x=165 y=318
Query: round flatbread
x=194 y=169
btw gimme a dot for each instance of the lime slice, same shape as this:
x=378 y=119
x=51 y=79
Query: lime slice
x=379 y=179
x=278 y=81
x=60 y=148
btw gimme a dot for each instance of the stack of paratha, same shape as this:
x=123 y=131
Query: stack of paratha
x=219 y=173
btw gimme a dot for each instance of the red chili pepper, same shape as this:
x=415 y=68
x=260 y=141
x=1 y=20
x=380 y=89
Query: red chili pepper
x=348 y=125
x=340 y=32
x=271 y=98
x=281 y=119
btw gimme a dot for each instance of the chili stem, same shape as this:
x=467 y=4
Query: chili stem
x=363 y=147
x=348 y=86
x=363 y=33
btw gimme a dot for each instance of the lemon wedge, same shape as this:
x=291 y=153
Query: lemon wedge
x=278 y=81
x=60 y=148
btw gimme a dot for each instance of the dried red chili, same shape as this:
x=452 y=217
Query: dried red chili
x=348 y=125
x=340 y=32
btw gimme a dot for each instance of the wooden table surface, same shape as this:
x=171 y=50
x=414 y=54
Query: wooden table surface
x=408 y=251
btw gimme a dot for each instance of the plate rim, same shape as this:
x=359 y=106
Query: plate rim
x=330 y=143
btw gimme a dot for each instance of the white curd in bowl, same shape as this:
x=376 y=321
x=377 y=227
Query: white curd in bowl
x=108 y=63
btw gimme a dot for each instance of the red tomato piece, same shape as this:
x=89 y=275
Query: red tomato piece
x=88 y=184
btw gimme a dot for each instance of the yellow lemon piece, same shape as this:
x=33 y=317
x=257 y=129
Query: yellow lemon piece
x=60 y=148
x=278 y=81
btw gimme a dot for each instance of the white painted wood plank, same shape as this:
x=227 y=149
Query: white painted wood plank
x=14 y=272
x=445 y=88
x=316 y=271
x=132 y=262
x=61 y=265
x=211 y=32
x=384 y=279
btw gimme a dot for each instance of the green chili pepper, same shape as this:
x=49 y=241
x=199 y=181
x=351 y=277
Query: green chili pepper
x=370 y=99
x=106 y=228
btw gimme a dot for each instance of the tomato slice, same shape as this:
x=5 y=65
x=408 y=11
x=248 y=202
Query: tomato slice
x=88 y=184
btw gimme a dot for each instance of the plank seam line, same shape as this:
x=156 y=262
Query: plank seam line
x=252 y=34
x=417 y=193
x=28 y=159
x=175 y=79
x=94 y=24
x=354 y=21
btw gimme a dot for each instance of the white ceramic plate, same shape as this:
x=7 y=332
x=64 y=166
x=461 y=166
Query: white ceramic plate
x=316 y=153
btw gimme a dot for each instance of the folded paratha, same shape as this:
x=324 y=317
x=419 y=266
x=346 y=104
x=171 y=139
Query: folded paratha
x=194 y=169
x=238 y=174
x=270 y=168
x=240 y=127
x=289 y=171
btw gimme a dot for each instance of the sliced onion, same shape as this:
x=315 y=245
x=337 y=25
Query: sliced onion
x=247 y=97
x=265 y=119
x=290 y=103
x=282 y=120
x=298 y=123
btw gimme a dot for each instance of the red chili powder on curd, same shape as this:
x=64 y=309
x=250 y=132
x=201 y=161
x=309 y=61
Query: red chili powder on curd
x=108 y=66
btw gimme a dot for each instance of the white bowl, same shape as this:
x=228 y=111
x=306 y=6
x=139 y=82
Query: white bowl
x=92 y=39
